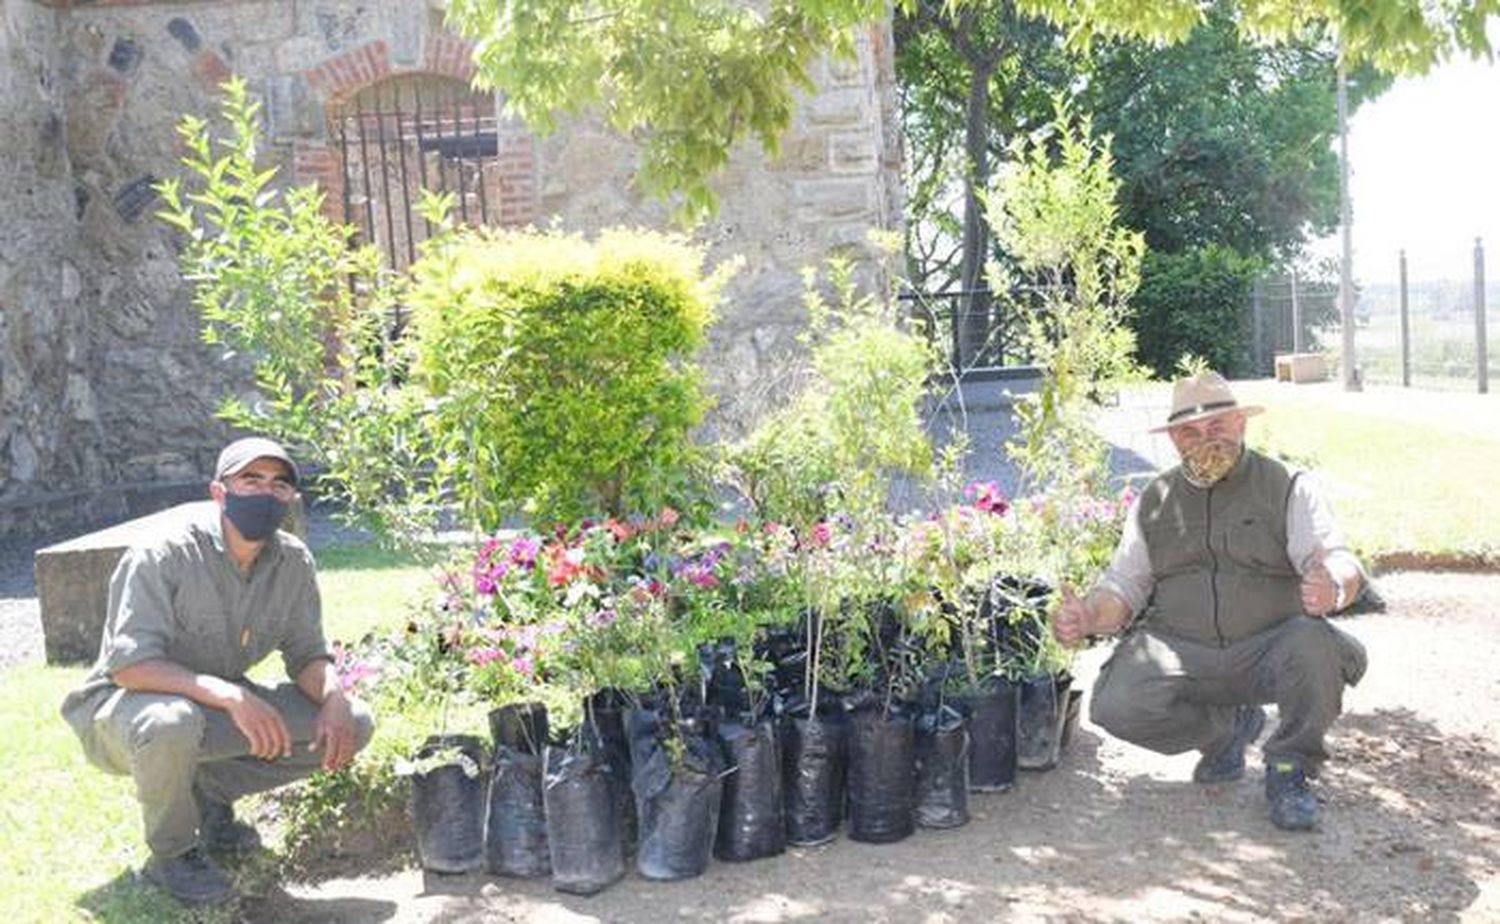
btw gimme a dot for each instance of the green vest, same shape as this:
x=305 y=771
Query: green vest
x=1218 y=554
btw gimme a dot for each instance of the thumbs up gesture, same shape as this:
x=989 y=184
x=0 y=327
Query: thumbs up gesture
x=1074 y=621
x=1320 y=589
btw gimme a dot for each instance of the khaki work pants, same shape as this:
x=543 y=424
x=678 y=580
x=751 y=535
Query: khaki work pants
x=1170 y=695
x=173 y=746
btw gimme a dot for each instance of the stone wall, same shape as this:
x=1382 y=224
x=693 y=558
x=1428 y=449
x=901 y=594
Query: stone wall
x=104 y=382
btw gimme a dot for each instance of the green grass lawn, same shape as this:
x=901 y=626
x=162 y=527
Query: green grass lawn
x=1398 y=486
x=72 y=833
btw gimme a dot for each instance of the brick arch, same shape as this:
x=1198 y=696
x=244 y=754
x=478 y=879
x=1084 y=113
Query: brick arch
x=337 y=82
x=337 y=79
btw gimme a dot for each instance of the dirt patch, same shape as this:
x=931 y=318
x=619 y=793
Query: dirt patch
x=1411 y=825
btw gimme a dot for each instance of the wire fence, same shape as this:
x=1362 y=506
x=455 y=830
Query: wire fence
x=1417 y=332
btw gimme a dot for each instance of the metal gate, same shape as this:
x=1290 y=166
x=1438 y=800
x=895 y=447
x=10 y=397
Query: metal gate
x=408 y=134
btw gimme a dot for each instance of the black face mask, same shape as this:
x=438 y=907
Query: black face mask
x=256 y=516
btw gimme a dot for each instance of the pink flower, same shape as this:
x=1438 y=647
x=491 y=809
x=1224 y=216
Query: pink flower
x=987 y=496
x=822 y=533
x=524 y=665
x=481 y=657
x=351 y=671
x=668 y=517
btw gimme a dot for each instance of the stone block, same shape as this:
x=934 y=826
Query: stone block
x=852 y=153
x=72 y=578
x=833 y=200
x=837 y=107
x=290 y=109
x=1301 y=367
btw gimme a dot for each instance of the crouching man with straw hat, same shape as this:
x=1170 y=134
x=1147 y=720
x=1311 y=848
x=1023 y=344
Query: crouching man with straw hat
x=1227 y=566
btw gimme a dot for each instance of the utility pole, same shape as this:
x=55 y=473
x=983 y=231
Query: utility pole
x=1346 y=263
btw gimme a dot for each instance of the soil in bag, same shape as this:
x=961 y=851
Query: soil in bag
x=515 y=832
x=1039 y=735
x=751 y=817
x=942 y=768
x=583 y=836
x=814 y=762
x=882 y=776
x=993 y=715
x=447 y=804
x=677 y=794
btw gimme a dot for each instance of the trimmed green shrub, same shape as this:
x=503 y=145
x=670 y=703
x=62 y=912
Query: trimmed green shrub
x=561 y=369
x=1195 y=302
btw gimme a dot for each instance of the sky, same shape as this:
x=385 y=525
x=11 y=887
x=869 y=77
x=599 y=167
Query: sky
x=1425 y=175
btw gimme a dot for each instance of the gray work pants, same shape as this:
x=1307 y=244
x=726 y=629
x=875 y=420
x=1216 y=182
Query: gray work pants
x=1170 y=695
x=173 y=746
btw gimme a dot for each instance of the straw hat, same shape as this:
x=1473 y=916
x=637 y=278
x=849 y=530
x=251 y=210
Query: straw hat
x=1200 y=396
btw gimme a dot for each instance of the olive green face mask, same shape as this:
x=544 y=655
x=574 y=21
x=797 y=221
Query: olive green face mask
x=1209 y=461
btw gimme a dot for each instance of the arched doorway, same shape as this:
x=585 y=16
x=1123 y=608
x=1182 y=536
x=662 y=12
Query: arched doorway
x=412 y=132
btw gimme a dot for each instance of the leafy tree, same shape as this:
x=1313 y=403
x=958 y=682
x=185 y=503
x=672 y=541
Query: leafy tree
x=1193 y=303
x=967 y=83
x=693 y=78
x=1219 y=139
x=1055 y=214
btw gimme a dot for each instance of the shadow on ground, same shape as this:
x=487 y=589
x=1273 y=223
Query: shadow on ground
x=1410 y=816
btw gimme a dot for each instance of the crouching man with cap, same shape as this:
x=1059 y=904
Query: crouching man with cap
x=168 y=701
x=1226 y=568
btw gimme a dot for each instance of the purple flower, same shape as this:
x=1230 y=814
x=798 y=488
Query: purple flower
x=523 y=552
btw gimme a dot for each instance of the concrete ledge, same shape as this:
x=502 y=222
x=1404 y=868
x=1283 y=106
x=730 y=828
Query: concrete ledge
x=72 y=578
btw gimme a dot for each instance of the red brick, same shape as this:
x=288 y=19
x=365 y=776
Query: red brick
x=209 y=69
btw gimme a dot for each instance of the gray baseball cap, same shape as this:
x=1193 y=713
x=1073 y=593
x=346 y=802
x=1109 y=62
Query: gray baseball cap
x=242 y=452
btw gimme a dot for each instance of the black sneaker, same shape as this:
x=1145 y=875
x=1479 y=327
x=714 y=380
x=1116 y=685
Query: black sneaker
x=218 y=830
x=191 y=878
x=1293 y=807
x=1228 y=763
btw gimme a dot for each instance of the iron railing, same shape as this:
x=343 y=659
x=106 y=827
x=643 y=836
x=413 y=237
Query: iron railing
x=979 y=334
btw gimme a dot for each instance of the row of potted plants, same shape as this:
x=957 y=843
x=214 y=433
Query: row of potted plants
x=730 y=689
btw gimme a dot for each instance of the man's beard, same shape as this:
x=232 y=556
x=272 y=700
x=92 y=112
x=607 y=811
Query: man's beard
x=1209 y=461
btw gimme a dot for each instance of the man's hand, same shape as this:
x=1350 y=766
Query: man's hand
x=1320 y=589
x=334 y=731
x=1074 y=621
x=1320 y=593
x=259 y=721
